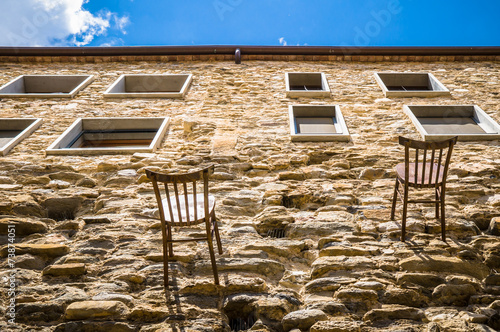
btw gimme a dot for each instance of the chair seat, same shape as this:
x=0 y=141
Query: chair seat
x=199 y=207
x=400 y=171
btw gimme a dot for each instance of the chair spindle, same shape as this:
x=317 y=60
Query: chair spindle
x=195 y=201
x=186 y=203
x=177 y=202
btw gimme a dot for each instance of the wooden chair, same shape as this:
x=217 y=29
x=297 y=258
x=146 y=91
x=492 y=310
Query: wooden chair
x=185 y=207
x=416 y=175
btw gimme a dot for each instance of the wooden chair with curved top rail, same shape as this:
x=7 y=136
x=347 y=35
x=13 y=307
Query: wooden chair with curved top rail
x=428 y=170
x=185 y=206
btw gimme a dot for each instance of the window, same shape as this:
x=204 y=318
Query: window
x=468 y=122
x=150 y=86
x=306 y=85
x=317 y=123
x=46 y=86
x=410 y=85
x=13 y=131
x=111 y=136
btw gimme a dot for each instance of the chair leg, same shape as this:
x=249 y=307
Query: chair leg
x=212 y=259
x=405 y=210
x=165 y=264
x=437 y=202
x=394 y=199
x=216 y=230
x=443 y=222
x=169 y=240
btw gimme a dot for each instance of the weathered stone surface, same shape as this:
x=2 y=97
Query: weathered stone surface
x=494 y=226
x=86 y=182
x=87 y=326
x=21 y=226
x=347 y=251
x=271 y=218
x=331 y=308
x=392 y=312
x=25 y=205
x=457 y=295
x=492 y=280
x=371 y=173
x=50 y=250
x=361 y=297
x=447 y=264
x=72 y=269
x=105 y=296
x=338 y=325
x=38 y=312
x=481 y=215
x=273 y=308
x=279 y=247
x=69 y=294
x=302 y=319
x=66 y=176
x=96 y=220
x=403 y=296
x=326 y=264
x=147 y=314
x=494 y=321
x=6 y=180
x=254 y=265
x=27 y=261
x=240 y=305
x=11 y=186
x=327 y=284
x=317 y=229
x=62 y=208
x=237 y=284
x=373 y=285
x=201 y=287
x=299 y=176
x=95 y=309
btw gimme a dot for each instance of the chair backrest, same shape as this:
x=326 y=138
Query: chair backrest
x=431 y=157
x=181 y=189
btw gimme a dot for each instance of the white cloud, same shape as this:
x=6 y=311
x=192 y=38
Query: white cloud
x=113 y=42
x=53 y=23
x=121 y=23
x=283 y=41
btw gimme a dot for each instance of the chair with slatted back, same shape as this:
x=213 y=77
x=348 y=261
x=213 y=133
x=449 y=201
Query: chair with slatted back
x=184 y=205
x=429 y=169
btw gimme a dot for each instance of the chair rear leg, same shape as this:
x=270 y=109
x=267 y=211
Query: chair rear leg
x=217 y=236
x=170 y=246
x=443 y=221
x=212 y=259
x=405 y=211
x=394 y=199
x=437 y=203
x=165 y=264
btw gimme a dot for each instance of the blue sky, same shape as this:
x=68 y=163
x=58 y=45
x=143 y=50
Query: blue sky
x=253 y=22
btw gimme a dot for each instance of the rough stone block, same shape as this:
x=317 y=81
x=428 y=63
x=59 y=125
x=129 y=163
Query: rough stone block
x=447 y=264
x=72 y=269
x=302 y=319
x=95 y=309
x=50 y=250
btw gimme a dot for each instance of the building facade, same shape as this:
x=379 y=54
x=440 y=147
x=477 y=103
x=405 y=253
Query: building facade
x=305 y=224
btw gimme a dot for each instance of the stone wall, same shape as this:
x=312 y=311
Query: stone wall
x=88 y=245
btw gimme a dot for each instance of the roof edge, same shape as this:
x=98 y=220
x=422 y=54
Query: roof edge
x=247 y=50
